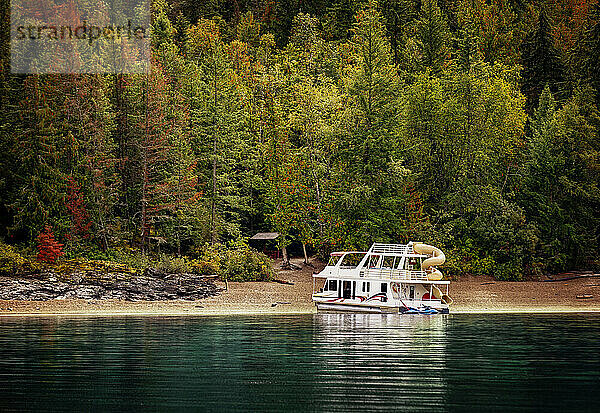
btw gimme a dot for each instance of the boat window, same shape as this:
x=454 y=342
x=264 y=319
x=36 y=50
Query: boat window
x=346 y=289
x=384 y=287
x=366 y=287
x=352 y=260
x=332 y=285
x=388 y=262
x=374 y=261
x=334 y=259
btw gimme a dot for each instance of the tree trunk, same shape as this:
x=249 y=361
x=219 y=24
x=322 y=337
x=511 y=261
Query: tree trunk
x=286 y=258
x=305 y=255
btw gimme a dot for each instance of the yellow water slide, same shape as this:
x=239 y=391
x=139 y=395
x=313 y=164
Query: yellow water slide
x=437 y=258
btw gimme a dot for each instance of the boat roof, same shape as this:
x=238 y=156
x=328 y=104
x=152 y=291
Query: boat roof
x=340 y=253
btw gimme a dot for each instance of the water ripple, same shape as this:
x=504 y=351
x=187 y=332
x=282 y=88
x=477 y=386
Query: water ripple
x=325 y=362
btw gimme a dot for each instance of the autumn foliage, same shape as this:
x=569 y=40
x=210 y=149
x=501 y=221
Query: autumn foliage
x=49 y=250
x=76 y=206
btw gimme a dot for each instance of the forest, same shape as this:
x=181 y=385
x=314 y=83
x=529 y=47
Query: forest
x=473 y=125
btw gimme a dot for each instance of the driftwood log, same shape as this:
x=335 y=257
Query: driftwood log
x=283 y=281
x=572 y=277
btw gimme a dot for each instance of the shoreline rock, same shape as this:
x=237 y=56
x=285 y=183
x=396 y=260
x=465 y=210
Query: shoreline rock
x=152 y=286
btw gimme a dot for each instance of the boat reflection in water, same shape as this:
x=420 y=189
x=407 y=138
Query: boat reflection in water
x=377 y=359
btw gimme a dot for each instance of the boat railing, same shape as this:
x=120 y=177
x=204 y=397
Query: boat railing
x=393 y=274
x=379 y=248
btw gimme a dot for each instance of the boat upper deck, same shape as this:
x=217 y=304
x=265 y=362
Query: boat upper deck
x=384 y=275
x=395 y=262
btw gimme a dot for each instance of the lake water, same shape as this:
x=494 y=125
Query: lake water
x=323 y=362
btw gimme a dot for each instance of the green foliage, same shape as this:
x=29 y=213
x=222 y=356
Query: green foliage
x=336 y=123
x=173 y=265
x=245 y=264
x=497 y=227
x=542 y=64
x=466 y=259
x=11 y=261
x=561 y=193
x=131 y=257
x=237 y=262
x=461 y=130
x=432 y=35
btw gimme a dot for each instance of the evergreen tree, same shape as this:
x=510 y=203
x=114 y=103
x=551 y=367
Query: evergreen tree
x=561 y=194
x=217 y=118
x=207 y=47
x=89 y=119
x=398 y=14
x=542 y=64
x=372 y=86
x=369 y=176
x=590 y=52
x=45 y=157
x=432 y=35
x=338 y=18
x=496 y=27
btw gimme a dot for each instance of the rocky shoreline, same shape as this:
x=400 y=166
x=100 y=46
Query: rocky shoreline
x=151 y=286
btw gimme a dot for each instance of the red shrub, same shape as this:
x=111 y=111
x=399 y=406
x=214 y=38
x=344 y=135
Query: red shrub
x=48 y=248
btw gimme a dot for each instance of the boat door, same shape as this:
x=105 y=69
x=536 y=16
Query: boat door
x=347 y=289
x=411 y=294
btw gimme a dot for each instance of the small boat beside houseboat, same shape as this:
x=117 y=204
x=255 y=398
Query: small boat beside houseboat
x=388 y=278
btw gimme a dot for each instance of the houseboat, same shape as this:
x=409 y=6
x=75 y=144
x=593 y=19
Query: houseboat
x=387 y=278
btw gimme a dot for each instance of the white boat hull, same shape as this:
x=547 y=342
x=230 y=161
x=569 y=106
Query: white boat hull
x=355 y=308
x=388 y=307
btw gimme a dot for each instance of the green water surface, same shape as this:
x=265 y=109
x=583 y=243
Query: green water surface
x=323 y=362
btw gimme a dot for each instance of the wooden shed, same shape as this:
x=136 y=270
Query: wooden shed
x=266 y=242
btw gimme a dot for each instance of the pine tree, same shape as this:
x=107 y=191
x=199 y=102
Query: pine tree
x=217 y=118
x=338 y=18
x=366 y=170
x=590 y=51
x=372 y=88
x=398 y=14
x=89 y=119
x=542 y=64
x=433 y=36
x=153 y=153
x=46 y=155
x=561 y=189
